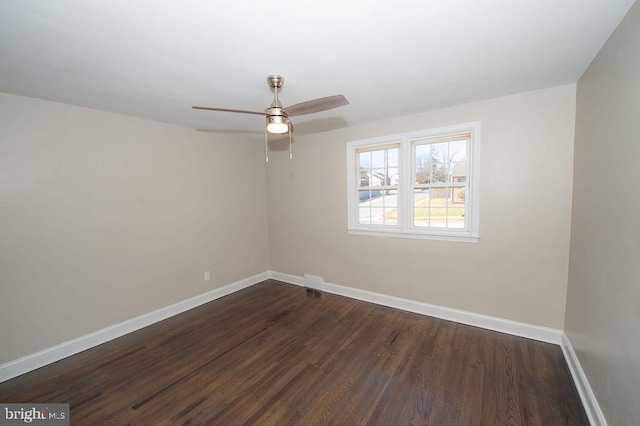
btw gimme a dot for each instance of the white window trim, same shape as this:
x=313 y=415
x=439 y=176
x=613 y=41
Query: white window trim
x=405 y=228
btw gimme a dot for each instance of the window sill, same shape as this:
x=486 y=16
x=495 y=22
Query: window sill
x=460 y=238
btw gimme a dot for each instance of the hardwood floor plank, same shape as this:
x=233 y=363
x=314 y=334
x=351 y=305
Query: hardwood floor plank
x=421 y=359
x=279 y=354
x=527 y=383
x=472 y=388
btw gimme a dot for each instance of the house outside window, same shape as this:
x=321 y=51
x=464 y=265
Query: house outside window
x=416 y=185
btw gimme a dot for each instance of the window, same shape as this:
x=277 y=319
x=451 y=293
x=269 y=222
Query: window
x=416 y=185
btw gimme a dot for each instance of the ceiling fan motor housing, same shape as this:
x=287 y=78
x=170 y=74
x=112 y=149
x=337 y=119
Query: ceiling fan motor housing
x=276 y=117
x=275 y=111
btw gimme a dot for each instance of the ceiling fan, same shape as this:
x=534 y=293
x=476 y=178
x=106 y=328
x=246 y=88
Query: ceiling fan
x=277 y=116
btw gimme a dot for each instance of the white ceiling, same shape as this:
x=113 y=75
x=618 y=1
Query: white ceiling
x=156 y=58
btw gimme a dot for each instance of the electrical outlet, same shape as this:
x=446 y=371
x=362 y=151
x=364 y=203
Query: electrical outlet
x=207 y=276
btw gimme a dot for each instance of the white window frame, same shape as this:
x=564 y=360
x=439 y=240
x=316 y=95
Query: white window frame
x=405 y=228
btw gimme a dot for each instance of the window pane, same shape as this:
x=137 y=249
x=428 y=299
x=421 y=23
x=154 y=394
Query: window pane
x=379 y=167
x=421 y=207
x=440 y=162
x=424 y=164
x=441 y=152
x=455 y=213
x=459 y=171
x=457 y=161
x=364 y=165
x=439 y=208
x=377 y=158
x=394 y=175
x=392 y=157
x=430 y=162
x=458 y=150
x=378 y=207
x=390 y=206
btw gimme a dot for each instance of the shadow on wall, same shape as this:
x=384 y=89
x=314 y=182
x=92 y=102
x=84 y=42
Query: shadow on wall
x=281 y=142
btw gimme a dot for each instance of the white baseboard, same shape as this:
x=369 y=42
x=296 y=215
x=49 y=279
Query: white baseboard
x=544 y=334
x=596 y=417
x=31 y=362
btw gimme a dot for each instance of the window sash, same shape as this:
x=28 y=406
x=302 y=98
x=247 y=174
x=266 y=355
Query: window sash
x=382 y=210
x=412 y=221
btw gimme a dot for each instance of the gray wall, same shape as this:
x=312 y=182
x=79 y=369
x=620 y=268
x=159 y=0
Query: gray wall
x=105 y=217
x=603 y=300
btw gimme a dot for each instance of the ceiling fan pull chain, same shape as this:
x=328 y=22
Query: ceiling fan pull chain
x=290 y=151
x=266 y=143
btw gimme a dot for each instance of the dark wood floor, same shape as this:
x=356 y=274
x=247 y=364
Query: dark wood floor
x=276 y=354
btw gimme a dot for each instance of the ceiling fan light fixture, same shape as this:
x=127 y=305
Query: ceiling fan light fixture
x=277 y=124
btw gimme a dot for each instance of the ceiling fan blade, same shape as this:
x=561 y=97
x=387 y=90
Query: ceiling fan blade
x=316 y=105
x=241 y=111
